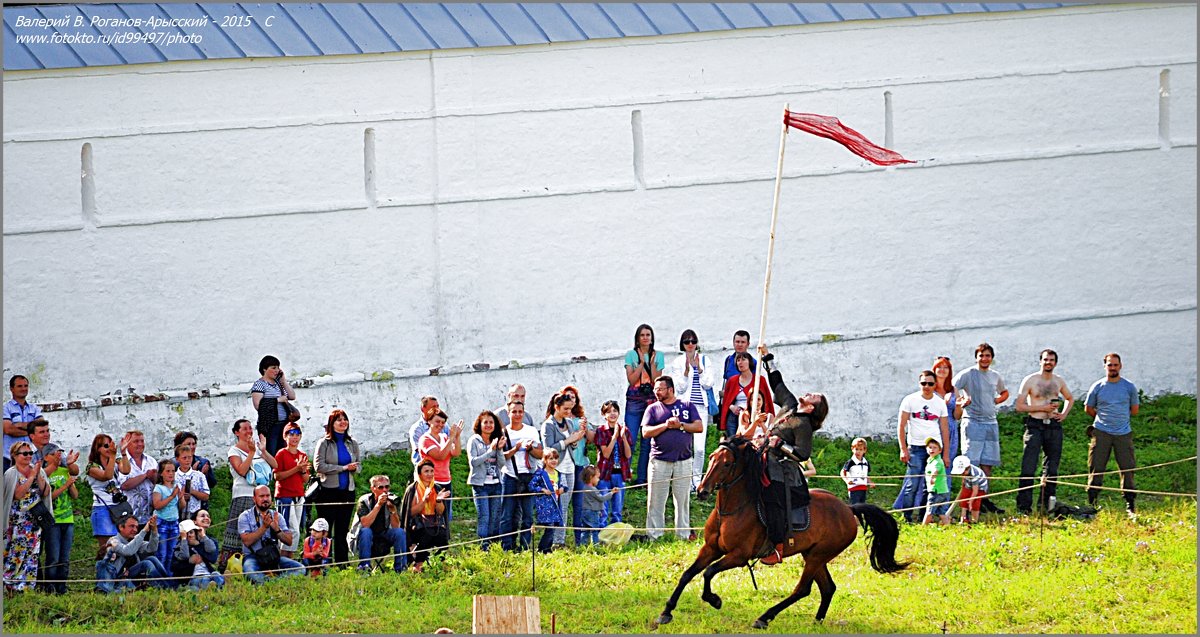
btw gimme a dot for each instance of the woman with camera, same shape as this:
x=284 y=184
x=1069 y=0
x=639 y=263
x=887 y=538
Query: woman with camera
x=337 y=460
x=642 y=366
x=101 y=474
x=25 y=487
x=242 y=457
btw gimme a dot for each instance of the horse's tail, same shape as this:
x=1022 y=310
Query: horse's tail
x=885 y=533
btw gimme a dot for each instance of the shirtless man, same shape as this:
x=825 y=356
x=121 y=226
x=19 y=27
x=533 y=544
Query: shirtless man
x=1045 y=401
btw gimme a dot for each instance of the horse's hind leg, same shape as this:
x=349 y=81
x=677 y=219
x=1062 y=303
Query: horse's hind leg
x=708 y=553
x=803 y=588
x=723 y=564
x=827 y=587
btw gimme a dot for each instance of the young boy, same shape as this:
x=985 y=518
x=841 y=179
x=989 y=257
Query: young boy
x=58 y=542
x=936 y=484
x=856 y=472
x=317 y=547
x=593 y=504
x=975 y=486
x=192 y=483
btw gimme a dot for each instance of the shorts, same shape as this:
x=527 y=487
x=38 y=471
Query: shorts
x=981 y=443
x=938 y=504
x=102 y=523
x=970 y=505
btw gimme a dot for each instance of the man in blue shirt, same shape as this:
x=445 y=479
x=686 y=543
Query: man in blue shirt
x=17 y=412
x=1111 y=401
x=741 y=343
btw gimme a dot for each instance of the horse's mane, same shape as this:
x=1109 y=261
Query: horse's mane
x=749 y=456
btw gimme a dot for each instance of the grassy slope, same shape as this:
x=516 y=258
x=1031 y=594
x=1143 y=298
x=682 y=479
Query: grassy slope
x=1013 y=576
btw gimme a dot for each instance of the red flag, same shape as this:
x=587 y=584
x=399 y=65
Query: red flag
x=830 y=128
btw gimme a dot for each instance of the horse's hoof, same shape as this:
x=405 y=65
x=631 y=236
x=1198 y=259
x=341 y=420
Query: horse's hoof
x=713 y=600
x=664 y=618
x=758 y=623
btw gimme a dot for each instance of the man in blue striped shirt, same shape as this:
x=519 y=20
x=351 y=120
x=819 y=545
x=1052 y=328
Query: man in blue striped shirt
x=17 y=413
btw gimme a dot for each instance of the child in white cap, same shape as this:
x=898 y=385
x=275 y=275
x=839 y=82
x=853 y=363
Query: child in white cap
x=937 y=484
x=317 y=547
x=975 y=486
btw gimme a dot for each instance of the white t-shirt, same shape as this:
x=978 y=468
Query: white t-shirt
x=923 y=417
x=241 y=488
x=100 y=495
x=516 y=436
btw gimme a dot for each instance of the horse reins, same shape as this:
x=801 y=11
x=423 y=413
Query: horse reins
x=721 y=485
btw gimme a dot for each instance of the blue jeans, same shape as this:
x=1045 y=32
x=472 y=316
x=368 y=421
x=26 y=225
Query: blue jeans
x=912 y=494
x=395 y=537
x=591 y=520
x=615 y=506
x=201 y=582
x=57 y=564
x=108 y=572
x=488 y=509
x=577 y=505
x=287 y=567
x=448 y=486
x=516 y=512
x=168 y=536
x=641 y=446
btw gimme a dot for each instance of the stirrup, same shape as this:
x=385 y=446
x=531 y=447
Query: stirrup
x=774 y=557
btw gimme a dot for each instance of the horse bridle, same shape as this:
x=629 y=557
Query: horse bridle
x=721 y=485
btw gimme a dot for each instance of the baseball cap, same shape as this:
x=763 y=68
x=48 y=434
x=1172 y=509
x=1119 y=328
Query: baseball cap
x=187 y=525
x=961 y=463
x=49 y=449
x=320 y=525
x=929 y=440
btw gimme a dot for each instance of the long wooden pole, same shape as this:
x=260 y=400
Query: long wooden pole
x=762 y=323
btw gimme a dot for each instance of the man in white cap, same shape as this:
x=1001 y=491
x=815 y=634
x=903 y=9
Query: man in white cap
x=196 y=555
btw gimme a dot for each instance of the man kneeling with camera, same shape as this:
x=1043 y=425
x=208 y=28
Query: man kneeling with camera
x=262 y=528
x=376 y=529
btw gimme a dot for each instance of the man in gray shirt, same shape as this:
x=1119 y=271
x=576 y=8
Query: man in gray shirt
x=980 y=390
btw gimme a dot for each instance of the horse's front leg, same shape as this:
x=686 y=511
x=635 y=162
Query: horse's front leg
x=708 y=553
x=728 y=561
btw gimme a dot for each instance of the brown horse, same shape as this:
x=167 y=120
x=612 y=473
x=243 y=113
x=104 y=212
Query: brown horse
x=735 y=533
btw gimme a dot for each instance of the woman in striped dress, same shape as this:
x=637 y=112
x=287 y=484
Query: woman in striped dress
x=694 y=379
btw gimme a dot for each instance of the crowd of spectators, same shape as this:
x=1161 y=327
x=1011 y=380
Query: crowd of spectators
x=150 y=518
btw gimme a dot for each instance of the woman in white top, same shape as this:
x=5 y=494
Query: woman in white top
x=694 y=379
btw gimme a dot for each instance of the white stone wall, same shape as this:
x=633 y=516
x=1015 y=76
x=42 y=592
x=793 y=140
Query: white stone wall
x=378 y=216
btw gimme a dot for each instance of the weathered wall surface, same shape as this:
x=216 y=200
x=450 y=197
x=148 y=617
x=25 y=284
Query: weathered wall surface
x=379 y=216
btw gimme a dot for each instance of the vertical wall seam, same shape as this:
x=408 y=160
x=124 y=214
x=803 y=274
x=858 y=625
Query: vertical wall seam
x=888 y=135
x=87 y=187
x=369 y=168
x=1164 y=109
x=639 y=175
x=439 y=313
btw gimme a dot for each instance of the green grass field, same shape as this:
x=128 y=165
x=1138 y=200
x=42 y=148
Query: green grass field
x=1010 y=575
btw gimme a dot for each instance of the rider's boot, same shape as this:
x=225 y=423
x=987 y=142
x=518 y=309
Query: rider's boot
x=775 y=557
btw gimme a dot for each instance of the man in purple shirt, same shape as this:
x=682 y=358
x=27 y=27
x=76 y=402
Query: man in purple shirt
x=669 y=425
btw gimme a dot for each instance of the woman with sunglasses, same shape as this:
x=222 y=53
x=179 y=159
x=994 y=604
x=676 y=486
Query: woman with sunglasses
x=25 y=484
x=694 y=379
x=943 y=373
x=101 y=476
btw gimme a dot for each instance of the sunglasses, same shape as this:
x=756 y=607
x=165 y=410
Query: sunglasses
x=690 y=341
x=925 y=384
x=944 y=358
x=23 y=453
x=294 y=432
x=382 y=486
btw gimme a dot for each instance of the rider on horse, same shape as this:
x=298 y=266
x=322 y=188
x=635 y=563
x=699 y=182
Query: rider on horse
x=789 y=443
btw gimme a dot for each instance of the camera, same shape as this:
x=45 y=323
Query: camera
x=393 y=498
x=113 y=490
